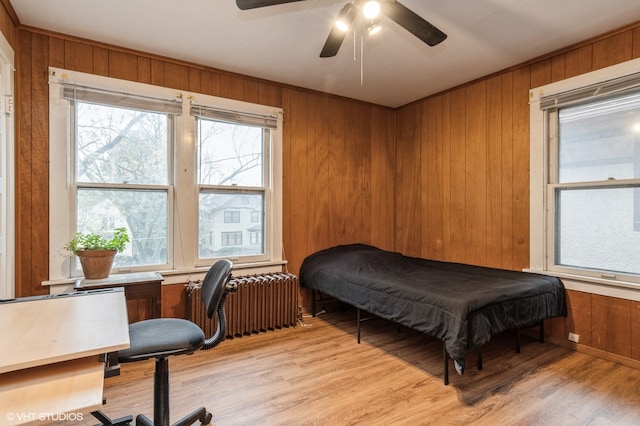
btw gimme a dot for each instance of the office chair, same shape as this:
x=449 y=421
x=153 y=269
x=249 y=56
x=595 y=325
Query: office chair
x=160 y=338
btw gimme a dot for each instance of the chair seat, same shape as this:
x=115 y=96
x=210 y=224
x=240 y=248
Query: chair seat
x=161 y=337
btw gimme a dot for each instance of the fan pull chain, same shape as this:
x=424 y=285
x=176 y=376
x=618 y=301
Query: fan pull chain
x=360 y=26
x=361 y=61
x=354 y=43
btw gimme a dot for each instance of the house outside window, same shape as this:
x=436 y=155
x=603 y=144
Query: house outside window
x=586 y=176
x=122 y=154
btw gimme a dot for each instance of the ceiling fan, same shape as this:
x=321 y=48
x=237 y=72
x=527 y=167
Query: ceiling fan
x=370 y=11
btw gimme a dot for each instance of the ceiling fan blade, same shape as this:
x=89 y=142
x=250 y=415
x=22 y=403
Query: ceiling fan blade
x=254 y=4
x=333 y=43
x=413 y=23
x=337 y=35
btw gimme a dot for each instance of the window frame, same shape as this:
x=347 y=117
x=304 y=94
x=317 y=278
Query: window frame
x=266 y=125
x=7 y=170
x=78 y=185
x=544 y=186
x=183 y=190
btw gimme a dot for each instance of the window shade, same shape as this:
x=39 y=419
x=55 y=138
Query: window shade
x=592 y=92
x=125 y=100
x=235 y=117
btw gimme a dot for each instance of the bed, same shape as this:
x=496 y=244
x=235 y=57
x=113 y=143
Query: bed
x=463 y=305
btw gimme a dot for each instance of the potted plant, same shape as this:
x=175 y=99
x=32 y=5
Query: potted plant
x=96 y=253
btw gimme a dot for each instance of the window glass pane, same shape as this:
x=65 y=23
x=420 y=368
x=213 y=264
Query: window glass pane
x=220 y=237
x=597 y=229
x=600 y=140
x=142 y=212
x=116 y=145
x=230 y=154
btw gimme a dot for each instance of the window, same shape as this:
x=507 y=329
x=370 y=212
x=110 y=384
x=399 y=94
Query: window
x=121 y=169
x=233 y=177
x=255 y=236
x=7 y=160
x=591 y=188
x=123 y=154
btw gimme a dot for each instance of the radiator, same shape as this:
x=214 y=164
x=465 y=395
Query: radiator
x=263 y=302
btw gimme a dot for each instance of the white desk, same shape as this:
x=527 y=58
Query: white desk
x=50 y=346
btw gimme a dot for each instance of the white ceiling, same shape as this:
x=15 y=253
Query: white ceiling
x=282 y=43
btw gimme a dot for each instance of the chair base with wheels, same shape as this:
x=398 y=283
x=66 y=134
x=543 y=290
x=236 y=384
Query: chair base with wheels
x=161 y=338
x=161 y=402
x=122 y=421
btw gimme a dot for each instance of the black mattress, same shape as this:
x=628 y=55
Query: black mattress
x=461 y=304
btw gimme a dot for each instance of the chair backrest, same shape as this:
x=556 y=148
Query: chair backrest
x=214 y=285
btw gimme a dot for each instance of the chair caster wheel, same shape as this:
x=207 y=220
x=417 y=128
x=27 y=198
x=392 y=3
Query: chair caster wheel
x=207 y=418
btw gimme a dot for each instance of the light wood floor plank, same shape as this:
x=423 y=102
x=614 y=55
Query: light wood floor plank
x=317 y=374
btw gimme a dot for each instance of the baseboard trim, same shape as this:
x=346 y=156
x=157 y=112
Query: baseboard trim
x=599 y=353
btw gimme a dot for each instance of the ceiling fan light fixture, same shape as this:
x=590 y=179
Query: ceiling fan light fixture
x=373 y=26
x=346 y=17
x=371 y=9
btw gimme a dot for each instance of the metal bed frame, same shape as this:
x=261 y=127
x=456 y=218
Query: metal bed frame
x=360 y=320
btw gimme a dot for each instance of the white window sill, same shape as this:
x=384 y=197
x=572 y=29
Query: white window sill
x=179 y=276
x=601 y=286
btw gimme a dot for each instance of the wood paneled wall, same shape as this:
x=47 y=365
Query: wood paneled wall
x=608 y=327
x=462 y=174
x=462 y=159
x=9 y=23
x=338 y=174
x=338 y=153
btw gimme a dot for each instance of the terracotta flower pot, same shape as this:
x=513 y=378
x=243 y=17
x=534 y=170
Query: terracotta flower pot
x=96 y=264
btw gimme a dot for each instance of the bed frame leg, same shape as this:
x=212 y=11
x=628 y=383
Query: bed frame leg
x=479 y=358
x=313 y=303
x=541 y=337
x=358 y=320
x=446 y=363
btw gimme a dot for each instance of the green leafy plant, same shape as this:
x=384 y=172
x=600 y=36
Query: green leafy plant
x=93 y=241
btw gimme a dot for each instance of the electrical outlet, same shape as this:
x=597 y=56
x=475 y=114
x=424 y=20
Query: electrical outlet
x=573 y=337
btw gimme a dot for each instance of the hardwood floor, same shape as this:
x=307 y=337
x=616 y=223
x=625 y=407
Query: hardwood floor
x=317 y=374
